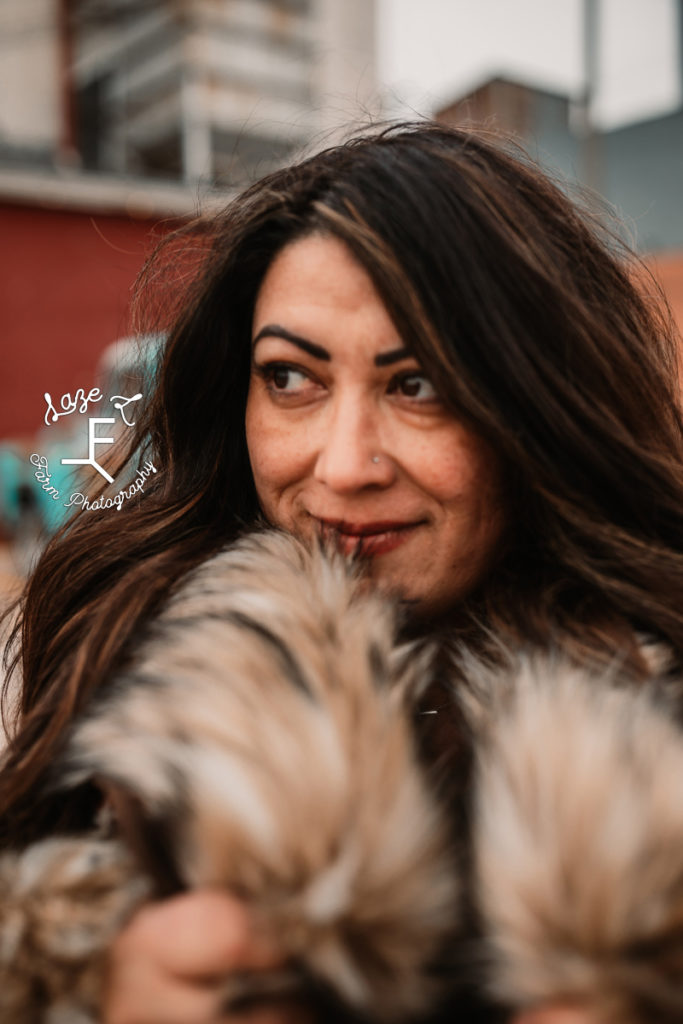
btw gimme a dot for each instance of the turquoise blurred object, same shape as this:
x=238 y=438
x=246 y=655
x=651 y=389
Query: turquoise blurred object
x=127 y=363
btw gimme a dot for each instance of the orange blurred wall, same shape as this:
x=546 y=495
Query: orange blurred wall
x=668 y=269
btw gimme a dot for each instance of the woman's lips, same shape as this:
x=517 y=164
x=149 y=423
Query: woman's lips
x=367 y=539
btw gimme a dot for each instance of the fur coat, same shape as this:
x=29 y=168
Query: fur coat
x=268 y=735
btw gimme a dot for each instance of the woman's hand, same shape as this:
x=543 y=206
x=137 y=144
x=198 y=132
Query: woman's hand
x=169 y=964
x=555 y=1015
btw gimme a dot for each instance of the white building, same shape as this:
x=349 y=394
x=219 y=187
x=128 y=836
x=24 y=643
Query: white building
x=196 y=90
x=30 y=73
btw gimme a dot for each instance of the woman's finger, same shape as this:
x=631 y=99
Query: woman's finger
x=555 y=1015
x=144 y=996
x=169 y=965
x=286 y=1014
x=202 y=934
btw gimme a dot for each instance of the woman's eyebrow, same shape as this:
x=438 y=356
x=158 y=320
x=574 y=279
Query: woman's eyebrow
x=394 y=356
x=318 y=352
x=274 y=330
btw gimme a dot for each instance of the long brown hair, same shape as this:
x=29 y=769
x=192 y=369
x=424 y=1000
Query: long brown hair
x=529 y=321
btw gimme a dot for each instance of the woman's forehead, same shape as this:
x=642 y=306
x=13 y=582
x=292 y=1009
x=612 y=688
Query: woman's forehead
x=315 y=291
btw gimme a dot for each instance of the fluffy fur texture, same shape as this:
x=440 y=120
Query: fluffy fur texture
x=61 y=903
x=261 y=741
x=578 y=840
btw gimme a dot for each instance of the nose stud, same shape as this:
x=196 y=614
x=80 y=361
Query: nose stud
x=375 y=458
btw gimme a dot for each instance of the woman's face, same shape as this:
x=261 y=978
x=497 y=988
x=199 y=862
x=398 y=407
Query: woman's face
x=347 y=437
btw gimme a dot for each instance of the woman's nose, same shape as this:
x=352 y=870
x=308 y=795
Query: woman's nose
x=351 y=453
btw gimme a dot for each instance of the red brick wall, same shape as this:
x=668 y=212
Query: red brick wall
x=65 y=288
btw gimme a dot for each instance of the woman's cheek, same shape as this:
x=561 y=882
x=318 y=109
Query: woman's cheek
x=278 y=463
x=440 y=465
x=265 y=438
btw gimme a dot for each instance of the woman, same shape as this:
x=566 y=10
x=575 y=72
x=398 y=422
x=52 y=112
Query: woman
x=413 y=343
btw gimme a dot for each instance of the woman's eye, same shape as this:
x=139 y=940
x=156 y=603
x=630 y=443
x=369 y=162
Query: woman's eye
x=282 y=378
x=416 y=386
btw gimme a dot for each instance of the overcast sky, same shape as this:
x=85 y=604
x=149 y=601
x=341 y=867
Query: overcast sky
x=431 y=51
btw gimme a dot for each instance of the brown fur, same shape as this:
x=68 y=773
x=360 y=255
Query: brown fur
x=61 y=903
x=579 y=841
x=260 y=740
x=294 y=785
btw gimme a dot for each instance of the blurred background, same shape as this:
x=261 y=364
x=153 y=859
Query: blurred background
x=121 y=118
